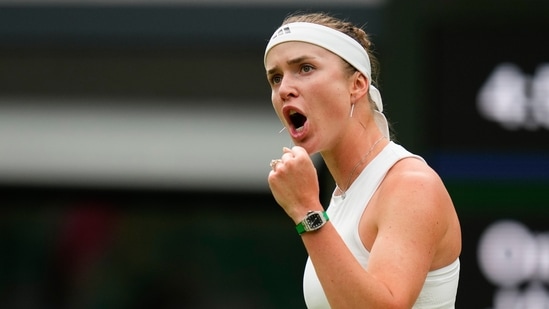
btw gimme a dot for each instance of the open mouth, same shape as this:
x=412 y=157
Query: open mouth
x=298 y=120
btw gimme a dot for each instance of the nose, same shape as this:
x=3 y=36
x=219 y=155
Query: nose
x=287 y=88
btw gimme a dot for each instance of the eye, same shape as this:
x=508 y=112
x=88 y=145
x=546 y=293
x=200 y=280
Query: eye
x=306 y=68
x=276 y=79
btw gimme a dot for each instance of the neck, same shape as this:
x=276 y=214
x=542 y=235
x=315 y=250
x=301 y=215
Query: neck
x=359 y=167
x=350 y=162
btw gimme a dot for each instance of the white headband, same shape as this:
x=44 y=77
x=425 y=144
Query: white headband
x=338 y=43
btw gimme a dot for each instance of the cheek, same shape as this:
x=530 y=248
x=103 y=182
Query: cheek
x=276 y=105
x=336 y=98
x=273 y=100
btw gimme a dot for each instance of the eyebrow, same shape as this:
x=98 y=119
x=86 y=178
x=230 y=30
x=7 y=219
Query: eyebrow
x=290 y=62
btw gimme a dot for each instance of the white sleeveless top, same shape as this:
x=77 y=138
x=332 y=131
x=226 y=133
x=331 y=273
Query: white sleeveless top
x=440 y=287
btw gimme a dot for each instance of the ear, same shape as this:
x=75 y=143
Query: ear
x=359 y=87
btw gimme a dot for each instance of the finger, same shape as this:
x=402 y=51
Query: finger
x=287 y=156
x=297 y=150
x=274 y=163
x=287 y=151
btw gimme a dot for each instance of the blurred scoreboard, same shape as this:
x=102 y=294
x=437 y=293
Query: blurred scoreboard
x=487 y=87
x=489 y=100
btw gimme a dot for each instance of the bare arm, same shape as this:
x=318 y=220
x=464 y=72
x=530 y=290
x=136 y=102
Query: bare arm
x=404 y=226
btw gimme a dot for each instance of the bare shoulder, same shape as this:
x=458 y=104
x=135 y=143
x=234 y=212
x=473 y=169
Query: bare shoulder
x=413 y=202
x=411 y=177
x=410 y=191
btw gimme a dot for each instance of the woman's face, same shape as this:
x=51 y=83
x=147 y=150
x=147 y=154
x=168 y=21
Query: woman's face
x=310 y=93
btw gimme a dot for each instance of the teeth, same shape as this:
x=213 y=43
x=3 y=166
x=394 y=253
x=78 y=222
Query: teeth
x=292 y=112
x=299 y=129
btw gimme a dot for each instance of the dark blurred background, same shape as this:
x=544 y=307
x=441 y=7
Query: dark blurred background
x=136 y=136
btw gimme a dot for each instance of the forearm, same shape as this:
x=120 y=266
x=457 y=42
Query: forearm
x=345 y=282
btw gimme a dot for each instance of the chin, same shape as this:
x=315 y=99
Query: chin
x=311 y=149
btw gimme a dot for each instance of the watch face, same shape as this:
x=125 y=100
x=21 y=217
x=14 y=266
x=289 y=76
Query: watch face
x=315 y=221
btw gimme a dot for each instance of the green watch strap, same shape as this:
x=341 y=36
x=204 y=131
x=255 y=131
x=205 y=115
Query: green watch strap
x=300 y=227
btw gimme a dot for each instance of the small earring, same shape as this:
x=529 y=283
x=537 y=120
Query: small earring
x=352 y=110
